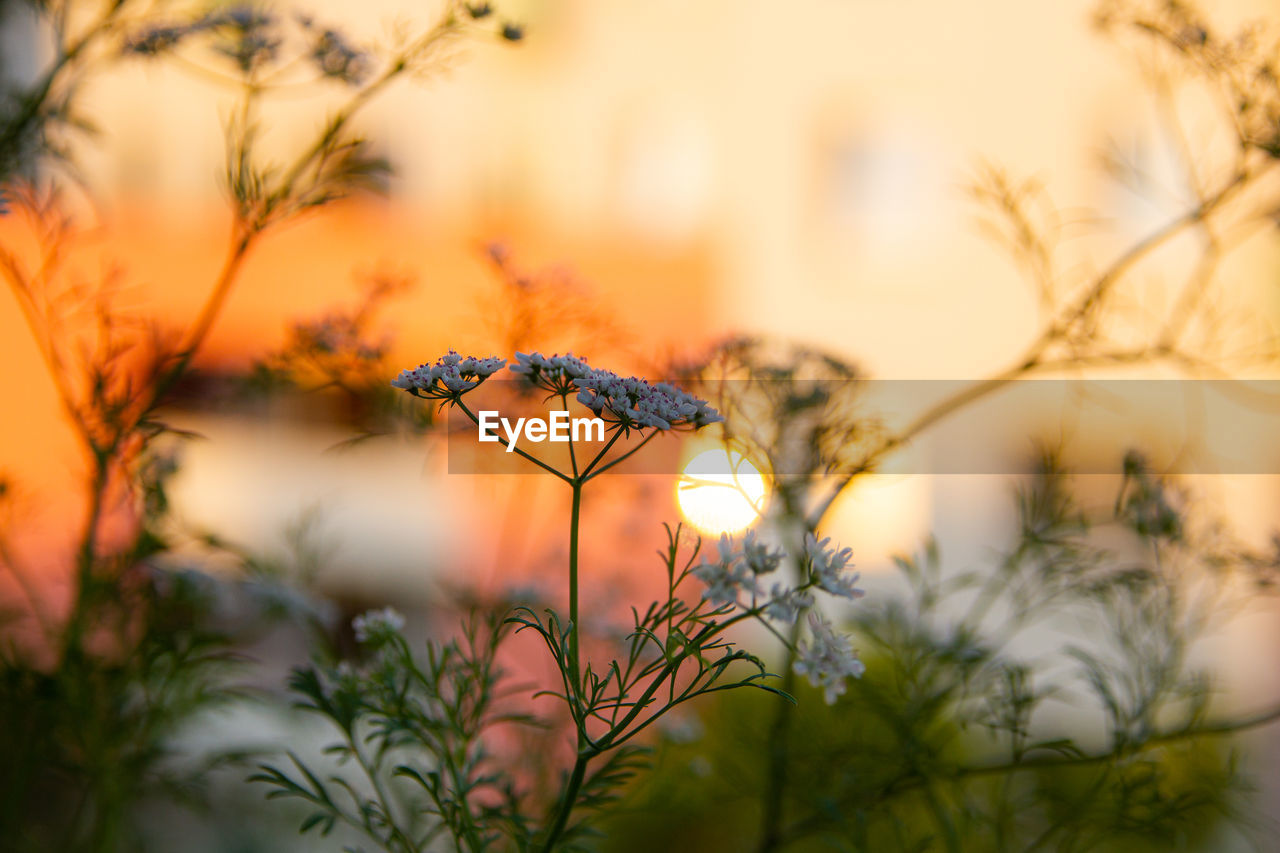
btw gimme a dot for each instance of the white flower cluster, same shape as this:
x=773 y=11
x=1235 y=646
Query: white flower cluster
x=786 y=605
x=377 y=625
x=739 y=563
x=634 y=404
x=629 y=403
x=735 y=571
x=828 y=660
x=449 y=378
x=757 y=555
x=556 y=374
x=828 y=566
x=732 y=574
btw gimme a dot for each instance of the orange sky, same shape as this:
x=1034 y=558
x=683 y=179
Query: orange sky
x=169 y=258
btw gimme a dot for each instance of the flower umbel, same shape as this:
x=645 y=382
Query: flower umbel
x=632 y=404
x=556 y=374
x=740 y=562
x=828 y=660
x=626 y=404
x=449 y=378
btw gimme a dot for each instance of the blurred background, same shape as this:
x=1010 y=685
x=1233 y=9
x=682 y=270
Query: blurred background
x=679 y=173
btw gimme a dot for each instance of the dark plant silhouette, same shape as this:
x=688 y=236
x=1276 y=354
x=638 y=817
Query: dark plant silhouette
x=93 y=700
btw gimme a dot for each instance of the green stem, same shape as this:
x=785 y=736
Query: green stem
x=950 y=836
x=566 y=804
x=1056 y=331
x=669 y=670
x=771 y=832
x=535 y=460
x=384 y=801
x=623 y=458
x=86 y=560
x=34 y=106
x=574 y=524
x=779 y=735
x=573 y=457
x=400 y=65
x=917 y=780
x=586 y=473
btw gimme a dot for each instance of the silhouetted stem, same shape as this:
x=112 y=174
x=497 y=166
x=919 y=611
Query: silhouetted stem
x=566 y=804
x=779 y=738
x=1058 y=330
x=915 y=781
x=623 y=458
x=535 y=460
x=574 y=521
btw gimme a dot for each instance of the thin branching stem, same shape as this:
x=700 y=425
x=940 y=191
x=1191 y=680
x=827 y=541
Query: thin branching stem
x=535 y=460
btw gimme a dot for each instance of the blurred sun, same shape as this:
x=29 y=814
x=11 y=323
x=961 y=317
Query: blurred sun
x=720 y=491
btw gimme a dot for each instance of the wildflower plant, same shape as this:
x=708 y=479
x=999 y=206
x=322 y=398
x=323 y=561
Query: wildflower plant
x=679 y=648
x=134 y=657
x=802 y=413
x=416 y=721
x=536 y=306
x=94 y=696
x=965 y=733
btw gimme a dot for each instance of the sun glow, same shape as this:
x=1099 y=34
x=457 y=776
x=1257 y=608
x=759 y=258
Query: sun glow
x=720 y=491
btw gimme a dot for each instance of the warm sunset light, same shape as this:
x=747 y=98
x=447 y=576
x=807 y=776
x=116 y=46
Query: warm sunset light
x=436 y=401
x=720 y=491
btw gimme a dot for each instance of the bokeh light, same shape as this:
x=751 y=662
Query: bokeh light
x=720 y=491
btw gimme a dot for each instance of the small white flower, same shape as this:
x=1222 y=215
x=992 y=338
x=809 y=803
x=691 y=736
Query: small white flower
x=757 y=555
x=828 y=568
x=727 y=577
x=736 y=568
x=725 y=584
x=629 y=404
x=533 y=364
x=828 y=660
x=374 y=625
x=633 y=403
x=557 y=374
x=786 y=604
x=449 y=378
x=728 y=551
